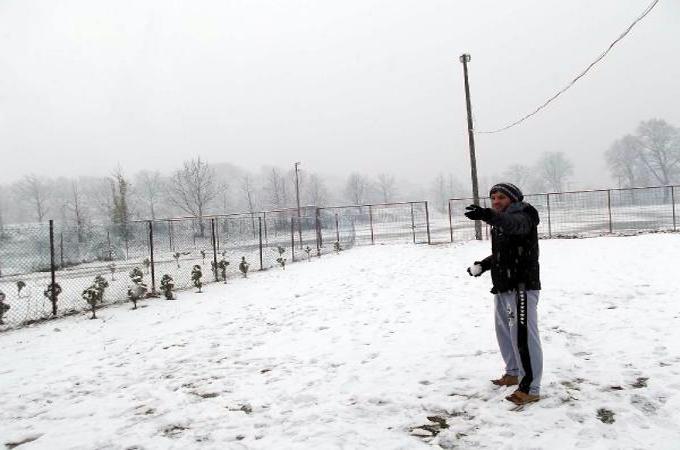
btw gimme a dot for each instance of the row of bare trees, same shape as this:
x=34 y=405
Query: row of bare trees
x=650 y=156
x=196 y=188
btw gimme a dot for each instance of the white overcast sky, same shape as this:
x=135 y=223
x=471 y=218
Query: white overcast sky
x=352 y=85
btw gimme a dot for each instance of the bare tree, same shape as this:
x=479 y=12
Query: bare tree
x=625 y=162
x=554 y=169
x=276 y=189
x=97 y=193
x=316 y=190
x=519 y=175
x=356 y=188
x=75 y=205
x=387 y=187
x=249 y=193
x=149 y=187
x=35 y=191
x=659 y=149
x=193 y=189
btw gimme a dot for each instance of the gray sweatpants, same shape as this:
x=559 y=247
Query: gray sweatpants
x=518 y=338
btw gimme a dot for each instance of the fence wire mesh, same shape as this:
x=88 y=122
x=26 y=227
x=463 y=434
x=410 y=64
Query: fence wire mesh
x=31 y=256
x=375 y=224
x=120 y=257
x=24 y=272
x=587 y=213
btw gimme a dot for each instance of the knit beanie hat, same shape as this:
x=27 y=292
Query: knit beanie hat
x=510 y=190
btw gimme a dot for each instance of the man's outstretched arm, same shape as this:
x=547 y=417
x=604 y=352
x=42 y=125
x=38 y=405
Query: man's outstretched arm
x=518 y=223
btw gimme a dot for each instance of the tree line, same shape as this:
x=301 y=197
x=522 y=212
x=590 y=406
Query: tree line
x=650 y=156
x=197 y=189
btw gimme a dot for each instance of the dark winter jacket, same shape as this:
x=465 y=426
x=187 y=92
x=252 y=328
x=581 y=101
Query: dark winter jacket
x=514 y=248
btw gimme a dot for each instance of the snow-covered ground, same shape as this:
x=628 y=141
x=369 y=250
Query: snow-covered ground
x=355 y=351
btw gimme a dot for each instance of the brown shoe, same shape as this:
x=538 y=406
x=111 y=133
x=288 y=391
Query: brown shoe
x=506 y=380
x=522 y=398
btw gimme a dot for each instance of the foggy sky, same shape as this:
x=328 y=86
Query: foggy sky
x=353 y=85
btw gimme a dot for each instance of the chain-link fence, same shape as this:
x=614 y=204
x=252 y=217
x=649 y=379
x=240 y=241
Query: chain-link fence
x=50 y=270
x=587 y=213
x=374 y=224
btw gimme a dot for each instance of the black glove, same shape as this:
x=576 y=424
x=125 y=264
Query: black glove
x=475 y=212
x=476 y=269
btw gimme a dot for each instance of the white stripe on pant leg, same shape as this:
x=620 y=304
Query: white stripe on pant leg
x=534 y=342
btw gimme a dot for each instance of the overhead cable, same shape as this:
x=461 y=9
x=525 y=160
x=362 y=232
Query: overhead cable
x=578 y=77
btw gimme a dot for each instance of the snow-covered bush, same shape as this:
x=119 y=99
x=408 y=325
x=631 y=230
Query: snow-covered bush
x=167 y=285
x=196 y=275
x=281 y=260
x=101 y=284
x=243 y=267
x=92 y=296
x=222 y=266
x=138 y=289
x=4 y=307
x=52 y=290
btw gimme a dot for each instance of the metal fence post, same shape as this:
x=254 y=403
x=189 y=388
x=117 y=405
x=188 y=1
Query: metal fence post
x=413 y=225
x=337 y=229
x=450 y=221
x=214 y=246
x=259 y=219
x=52 y=288
x=299 y=224
x=427 y=220
x=370 y=220
x=292 y=239
x=673 y=203
x=151 y=257
x=266 y=238
x=170 y=229
x=549 y=224
x=217 y=232
x=108 y=239
x=609 y=209
x=319 y=238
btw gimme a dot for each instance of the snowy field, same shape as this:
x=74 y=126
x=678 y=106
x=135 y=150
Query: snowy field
x=356 y=350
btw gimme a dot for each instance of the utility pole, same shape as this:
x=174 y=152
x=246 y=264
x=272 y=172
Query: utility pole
x=297 y=194
x=465 y=58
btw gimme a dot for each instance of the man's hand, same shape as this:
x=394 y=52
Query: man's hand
x=476 y=269
x=475 y=212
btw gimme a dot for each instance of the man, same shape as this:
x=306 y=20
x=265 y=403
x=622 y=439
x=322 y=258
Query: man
x=516 y=285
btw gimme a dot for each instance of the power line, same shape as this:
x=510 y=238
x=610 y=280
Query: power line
x=579 y=76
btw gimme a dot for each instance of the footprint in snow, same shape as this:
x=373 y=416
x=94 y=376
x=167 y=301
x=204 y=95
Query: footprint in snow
x=643 y=404
x=641 y=382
